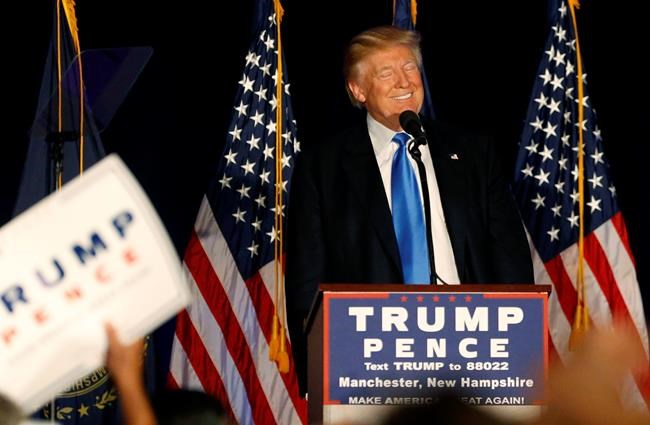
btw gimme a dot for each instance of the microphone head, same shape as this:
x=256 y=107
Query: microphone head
x=410 y=122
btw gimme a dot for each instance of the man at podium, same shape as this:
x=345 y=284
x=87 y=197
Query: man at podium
x=396 y=199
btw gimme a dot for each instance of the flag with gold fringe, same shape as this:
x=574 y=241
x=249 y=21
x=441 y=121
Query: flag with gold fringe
x=64 y=140
x=568 y=203
x=231 y=342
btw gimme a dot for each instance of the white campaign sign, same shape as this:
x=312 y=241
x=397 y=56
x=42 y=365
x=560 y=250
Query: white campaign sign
x=93 y=253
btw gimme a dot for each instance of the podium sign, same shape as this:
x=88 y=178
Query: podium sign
x=401 y=348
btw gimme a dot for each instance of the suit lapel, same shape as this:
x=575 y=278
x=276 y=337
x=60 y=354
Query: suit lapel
x=450 y=176
x=362 y=173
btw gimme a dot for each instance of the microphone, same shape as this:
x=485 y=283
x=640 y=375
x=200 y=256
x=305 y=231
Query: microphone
x=410 y=122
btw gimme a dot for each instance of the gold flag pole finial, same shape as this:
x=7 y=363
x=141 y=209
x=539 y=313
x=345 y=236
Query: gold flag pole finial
x=414 y=11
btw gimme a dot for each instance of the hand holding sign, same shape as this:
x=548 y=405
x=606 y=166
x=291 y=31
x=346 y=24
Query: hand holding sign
x=93 y=253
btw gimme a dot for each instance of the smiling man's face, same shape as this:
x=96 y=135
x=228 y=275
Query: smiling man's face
x=387 y=83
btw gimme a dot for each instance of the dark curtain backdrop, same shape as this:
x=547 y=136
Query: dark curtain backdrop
x=481 y=59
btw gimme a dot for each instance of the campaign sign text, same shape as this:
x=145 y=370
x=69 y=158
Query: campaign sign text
x=404 y=348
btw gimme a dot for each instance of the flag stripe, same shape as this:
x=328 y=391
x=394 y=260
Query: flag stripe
x=210 y=335
x=596 y=299
x=597 y=260
x=562 y=285
x=621 y=230
x=596 y=256
x=559 y=327
x=623 y=269
x=263 y=308
x=171 y=383
x=207 y=378
x=218 y=302
x=274 y=384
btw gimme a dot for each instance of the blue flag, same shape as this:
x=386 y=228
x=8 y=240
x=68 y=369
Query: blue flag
x=56 y=155
x=54 y=137
x=403 y=18
x=53 y=155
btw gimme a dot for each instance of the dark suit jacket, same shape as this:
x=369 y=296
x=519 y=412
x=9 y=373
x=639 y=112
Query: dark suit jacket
x=341 y=231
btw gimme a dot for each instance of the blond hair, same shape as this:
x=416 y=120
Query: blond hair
x=371 y=41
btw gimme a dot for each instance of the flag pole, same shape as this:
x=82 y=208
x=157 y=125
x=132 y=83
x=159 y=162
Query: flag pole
x=277 y=349
x=581 y=318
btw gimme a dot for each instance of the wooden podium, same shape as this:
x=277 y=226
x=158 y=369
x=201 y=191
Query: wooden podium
x=375 y=345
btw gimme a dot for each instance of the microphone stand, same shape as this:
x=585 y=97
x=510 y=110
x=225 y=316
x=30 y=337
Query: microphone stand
x=414 y=150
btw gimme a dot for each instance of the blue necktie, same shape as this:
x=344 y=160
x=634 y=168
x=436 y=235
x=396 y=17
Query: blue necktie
x=408 y=217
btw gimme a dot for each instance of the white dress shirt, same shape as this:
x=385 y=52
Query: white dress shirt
x=381 y=138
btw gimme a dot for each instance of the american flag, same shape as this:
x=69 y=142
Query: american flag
x=221 y=344
x=546 y=188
